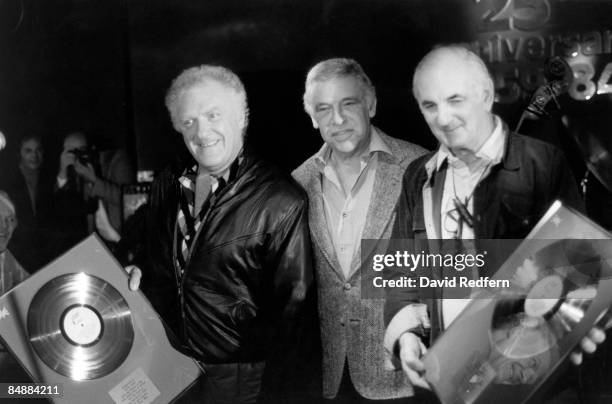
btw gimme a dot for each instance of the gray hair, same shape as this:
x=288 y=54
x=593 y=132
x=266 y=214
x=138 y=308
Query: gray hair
x=331 y=68
x=481 y=72
x=194 y=76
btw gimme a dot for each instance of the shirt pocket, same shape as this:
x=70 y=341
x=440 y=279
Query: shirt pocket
x=243 y=314
x=517 y=216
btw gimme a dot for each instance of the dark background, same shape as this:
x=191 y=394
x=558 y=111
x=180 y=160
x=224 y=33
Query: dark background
x=103 y=66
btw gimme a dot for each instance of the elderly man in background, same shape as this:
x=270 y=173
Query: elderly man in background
x=483 y=182
x=226 y=259
x=353 y=184
x=11 y=273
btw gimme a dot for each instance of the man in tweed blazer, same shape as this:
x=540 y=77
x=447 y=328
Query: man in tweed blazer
x=353 y=184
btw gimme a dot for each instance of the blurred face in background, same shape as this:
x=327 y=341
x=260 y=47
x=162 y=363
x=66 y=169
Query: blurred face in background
x=31 y=154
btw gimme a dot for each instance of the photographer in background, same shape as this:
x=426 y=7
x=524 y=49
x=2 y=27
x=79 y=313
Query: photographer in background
x=105 y=170
x=74 y=205
x=88 y=192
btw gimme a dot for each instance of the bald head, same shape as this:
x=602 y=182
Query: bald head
x=453 y=58
x=455 y=95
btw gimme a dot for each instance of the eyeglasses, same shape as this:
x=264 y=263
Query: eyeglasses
x=457 y=215
x=452 y=220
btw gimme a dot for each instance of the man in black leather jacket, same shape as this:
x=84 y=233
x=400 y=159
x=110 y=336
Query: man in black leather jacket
x=226 y=258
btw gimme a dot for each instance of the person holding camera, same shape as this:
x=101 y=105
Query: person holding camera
x=74 y=205
x=89 y=189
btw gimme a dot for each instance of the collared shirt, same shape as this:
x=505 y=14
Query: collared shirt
x=460 y=182
x=346 y=213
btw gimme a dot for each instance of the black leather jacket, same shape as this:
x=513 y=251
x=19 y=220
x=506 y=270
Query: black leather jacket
x=248 y=269
x=507 y=204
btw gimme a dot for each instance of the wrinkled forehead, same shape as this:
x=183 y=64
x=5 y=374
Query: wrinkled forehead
x=346 y=86
x=343 y=80
x=208 y=93
x=441 y=78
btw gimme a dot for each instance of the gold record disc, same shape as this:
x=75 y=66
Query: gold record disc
x=80 y=326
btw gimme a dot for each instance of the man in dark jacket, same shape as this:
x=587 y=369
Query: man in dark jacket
x=483 y=182
x=227 y=254
x=31 y=190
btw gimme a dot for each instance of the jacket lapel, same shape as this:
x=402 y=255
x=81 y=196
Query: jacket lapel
x=317 y=219
x=382 y=205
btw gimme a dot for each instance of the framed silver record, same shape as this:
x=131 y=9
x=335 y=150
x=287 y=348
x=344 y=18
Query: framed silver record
x=508 y=343
x=76 y=324
x=80 y=326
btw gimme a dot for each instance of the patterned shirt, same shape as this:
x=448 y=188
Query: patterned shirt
x=188 y=220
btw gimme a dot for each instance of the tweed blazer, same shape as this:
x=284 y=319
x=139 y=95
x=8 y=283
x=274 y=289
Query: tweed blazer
x=352 y=328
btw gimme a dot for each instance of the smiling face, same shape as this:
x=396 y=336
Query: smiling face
x=211 y=118
x=341 y=110
x=31 y=154
x=455 y=101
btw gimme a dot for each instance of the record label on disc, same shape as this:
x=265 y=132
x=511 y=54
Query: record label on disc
x=81 y=325
x=544 y=296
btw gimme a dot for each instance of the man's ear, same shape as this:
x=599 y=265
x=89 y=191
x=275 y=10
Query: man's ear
x=371 y=106
x=243 y=121
x=315 y=124
x=488 y=94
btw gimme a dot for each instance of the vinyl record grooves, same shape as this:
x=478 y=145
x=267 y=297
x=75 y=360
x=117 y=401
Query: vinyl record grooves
x=80 y=326
x=512 y=345
x=552 y=293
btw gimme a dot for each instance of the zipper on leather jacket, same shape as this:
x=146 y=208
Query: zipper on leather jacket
x=180 y=277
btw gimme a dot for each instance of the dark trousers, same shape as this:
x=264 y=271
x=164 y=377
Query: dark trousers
x=348 y=395
x=227 y=383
